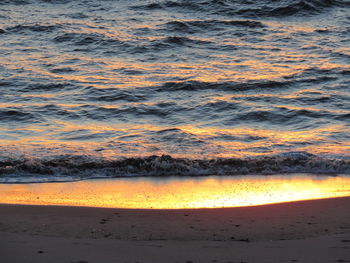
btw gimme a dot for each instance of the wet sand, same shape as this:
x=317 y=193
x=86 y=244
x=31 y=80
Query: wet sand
x=303 y=231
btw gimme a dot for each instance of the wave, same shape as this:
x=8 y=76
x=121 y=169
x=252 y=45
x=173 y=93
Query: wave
x=15 y=2
x=194 y=26
x=17 y=115
x=267 y=8
x=33 y=28
x=87 y=167
x=48 y=87
x=82 y=39
x=91 y=41
x=236 y=113
x=289 y=8
x=223 y=86
x=313 y=75
x=305 y=78
x=113 y=95
x=27 y=2
x=183 y=41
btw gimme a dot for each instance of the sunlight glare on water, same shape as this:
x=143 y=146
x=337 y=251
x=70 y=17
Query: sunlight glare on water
x=176 y=193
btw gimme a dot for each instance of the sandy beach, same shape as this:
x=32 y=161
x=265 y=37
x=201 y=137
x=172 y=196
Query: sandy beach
x=303 y=231
x=174 y=131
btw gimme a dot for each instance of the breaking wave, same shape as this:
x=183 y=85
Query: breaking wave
x=71 y=168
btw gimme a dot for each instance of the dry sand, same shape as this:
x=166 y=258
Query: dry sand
x=304 y=231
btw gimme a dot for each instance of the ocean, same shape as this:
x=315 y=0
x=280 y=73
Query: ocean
x=116 y=88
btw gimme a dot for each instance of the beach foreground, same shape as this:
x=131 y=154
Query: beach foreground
x=304 y=231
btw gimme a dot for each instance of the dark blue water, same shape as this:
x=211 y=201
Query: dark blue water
x=120 y=88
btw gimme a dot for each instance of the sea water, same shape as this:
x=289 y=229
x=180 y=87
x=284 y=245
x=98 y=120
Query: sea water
x=203 y=87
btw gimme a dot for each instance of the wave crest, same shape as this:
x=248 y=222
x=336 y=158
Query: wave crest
x=86 y=167
x=267 y=8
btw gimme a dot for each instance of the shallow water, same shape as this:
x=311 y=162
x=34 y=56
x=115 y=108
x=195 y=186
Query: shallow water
x=177 y=193
x=86 y=83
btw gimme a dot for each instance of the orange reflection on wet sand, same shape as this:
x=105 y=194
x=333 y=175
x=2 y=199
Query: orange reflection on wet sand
x=177 y=193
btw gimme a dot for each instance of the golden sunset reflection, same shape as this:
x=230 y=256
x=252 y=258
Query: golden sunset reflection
x=236 y=147
x=210 y=71
x=177 y=193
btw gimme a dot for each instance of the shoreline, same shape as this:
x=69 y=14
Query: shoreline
x=301 y=231
x=172 y=209
x=178 y=193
